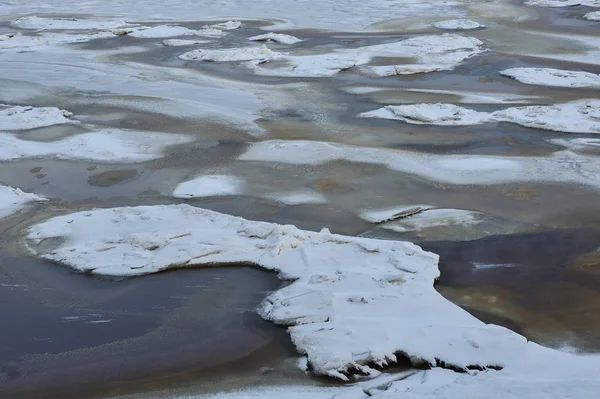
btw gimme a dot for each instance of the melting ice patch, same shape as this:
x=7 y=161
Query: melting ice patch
x=458 y=24
x=434 y=218
x=553 y=77
x=261 y=54
x=592 y=16
x=108 y=145
x=13 y=199
x=563 y=3
x=580 y=116
x=352 y=301
x=209 y=186
x=23 y=118
x=275 y=37
x=563 y=166
x=163 y=31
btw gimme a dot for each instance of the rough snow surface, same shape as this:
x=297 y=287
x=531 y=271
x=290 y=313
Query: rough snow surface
x=430 y=114
x=553 y=77
x=580 y=116
x=458 y=24
x=592 y=16
x=22 y=118
x=209 y=186
x=352 y=301
x=13 y=199
x=66 y=23
x=561 y=167
x=275 y=37
x=259 y=53
x=109 y=145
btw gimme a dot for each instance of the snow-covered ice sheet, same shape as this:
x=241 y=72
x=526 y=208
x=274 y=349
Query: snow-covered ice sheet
x=164 y=31
x=182 y=42
x=579 y=116
x=108 y=145
x=431 y=53
x=23 y=118
x=68 y=23
x=560 y=167
x=209 y=186
x=458 y=24
x=553 y=77
x=13 y=199
x=430 y=114
x=352 y=301
x=48 y=40
x=592 y=16
x=275 y=37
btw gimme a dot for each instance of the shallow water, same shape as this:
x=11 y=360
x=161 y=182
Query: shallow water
x=530 y=266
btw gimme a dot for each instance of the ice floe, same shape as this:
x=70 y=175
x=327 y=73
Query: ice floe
x=209 y=186
x=580 y=116
x=162 y=31
x=352 y=301
x=229 y=25
x=13 y=199
x=108 y=145
x=458 y=24
x=430 y=114
x=592 y=16
x=563 y=3
x=275 y=37
x=431 y=53
x=561 y=167
x=23 y=118
x=430 y=218
x=298 y=197
x=259 y=53
x=43 y=40
x=182 y=42
x=67 y=23
x=553 y=77
x=384 y=215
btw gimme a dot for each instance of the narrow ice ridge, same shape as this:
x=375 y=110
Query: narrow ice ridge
x=580 y=116
x=431 y=53
x=458 y=24
x=209 y=186
x=108 y=145
x=23 y=118
x=560 y=167
x=353 y=302
x=13 y=200
x=275 y=37
x=553 y=77
x=592 y=16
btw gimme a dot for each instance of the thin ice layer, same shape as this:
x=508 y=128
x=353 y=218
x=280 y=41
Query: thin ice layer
x=23 y=118
x=458 y=24
x=553 y=77
x=353 y=301
x=108 y=145
x=13 y=199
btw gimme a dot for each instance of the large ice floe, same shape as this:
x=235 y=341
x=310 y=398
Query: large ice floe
x=553 y=77
x=275 y=37
x=68 y=23
x=592 y=16
x=352 y=303
x=23 y=118
x=19 y=42
x=560 y=167
x=108 y=145
x=13 y=199
x=580 y=116
x=430 y=52
x=458 y=24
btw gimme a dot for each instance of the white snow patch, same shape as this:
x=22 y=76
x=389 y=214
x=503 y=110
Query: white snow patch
x=23 y=118
x=275 y=37
x=259 y=53
x=108 y=145
x=580 y=116
x=435 y=218
x=561 y=167
x=229 y=25
x=592 y=16
x=66 y=23
x=209 y=186
x=182 y=42
x=161 y=31
x=553 y=77
x=430 y=114
x=383 y=215
x=458 y=24
x=13 y=199
x=352 y=301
